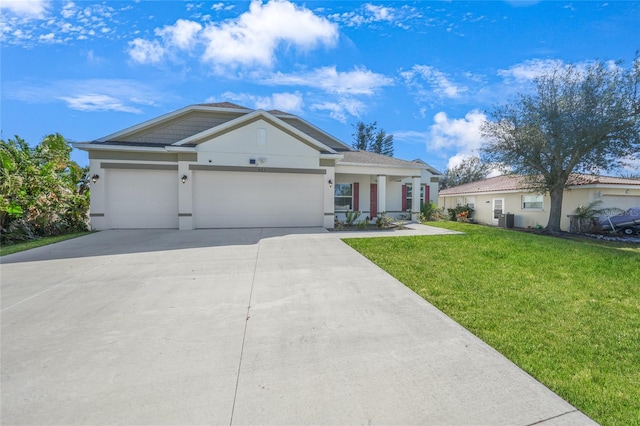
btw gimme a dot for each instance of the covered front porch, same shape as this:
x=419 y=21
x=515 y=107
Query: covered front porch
x=374 y=195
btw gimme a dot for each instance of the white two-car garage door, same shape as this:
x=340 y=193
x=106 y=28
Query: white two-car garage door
x=254 y=199
x=142 y=198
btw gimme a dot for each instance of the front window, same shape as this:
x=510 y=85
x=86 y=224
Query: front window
x=532 y=202
x=410 y=195
x=343 y=197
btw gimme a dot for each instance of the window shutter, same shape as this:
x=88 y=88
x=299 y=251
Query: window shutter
x=404 y=197
x=356 y=196
x=427 y=195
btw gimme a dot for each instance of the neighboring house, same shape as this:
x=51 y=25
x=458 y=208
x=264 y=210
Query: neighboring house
x=509 y=194
x=222 y=165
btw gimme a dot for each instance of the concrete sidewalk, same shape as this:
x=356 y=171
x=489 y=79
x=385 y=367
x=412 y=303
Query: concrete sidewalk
x=252 y=326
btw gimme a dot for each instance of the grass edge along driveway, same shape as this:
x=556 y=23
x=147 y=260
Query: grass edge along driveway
x=566 y=311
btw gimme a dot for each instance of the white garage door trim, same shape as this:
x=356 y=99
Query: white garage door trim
x=240 y=198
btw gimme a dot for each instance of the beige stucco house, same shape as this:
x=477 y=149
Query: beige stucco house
x=509 y=195
x=222 y=165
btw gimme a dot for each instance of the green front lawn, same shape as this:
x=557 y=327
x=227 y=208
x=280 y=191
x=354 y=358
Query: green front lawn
x=566 y=311
x=6 y=249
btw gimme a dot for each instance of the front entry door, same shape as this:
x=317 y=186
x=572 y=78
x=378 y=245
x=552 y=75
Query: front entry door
x=373 y=200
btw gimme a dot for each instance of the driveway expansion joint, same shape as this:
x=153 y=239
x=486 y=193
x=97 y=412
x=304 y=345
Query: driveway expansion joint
x=244 y=333
x=553 y=418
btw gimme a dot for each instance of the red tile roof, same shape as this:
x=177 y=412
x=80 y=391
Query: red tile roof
x=518 y=182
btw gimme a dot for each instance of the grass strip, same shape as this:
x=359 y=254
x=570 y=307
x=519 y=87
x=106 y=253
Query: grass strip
x=6 y=249
x=567 y=311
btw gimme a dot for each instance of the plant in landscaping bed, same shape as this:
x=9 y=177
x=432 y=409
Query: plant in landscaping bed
x=430 y=212
x=384 y=221
x=462 y=216
x=453 y=213
x=351 y=217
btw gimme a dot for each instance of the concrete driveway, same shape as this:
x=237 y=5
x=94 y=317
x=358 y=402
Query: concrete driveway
x=240 y=327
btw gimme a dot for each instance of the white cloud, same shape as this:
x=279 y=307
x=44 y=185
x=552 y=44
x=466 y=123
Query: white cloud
x=287 y=102
x=68 y=10
x=253 y=38
x=36 y=9
x=146 y=52
x=341 y=108
x=529 y=70
x=95 y=102
x=460 y=134
x=439 y=83
x=371 y=14
x=181 y=35
x=66 y=22
x=250 y=40
x=48 y=38
x=360 y=81
x=87 y=95
x=379 y=13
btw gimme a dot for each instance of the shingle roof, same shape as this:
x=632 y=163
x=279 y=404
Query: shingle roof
x=518 y=182
x=365 y=157
x=224 y=105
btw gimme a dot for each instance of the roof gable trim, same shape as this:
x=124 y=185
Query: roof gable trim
x=250 y=118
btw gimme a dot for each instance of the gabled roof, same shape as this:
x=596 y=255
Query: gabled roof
x=511 y=183
x=185 y=123
x=227 y=105
x=249 y=118
x=371 y=158
x=430 y=168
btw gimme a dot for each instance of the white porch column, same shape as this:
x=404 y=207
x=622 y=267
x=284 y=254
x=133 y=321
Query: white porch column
x=382 y=194
x=415 y=198
x=185 y=197
x=329 y=205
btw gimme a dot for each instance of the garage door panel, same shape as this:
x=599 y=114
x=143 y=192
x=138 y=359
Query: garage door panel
x=623 y=202
x=142 y=199
x=257 y=199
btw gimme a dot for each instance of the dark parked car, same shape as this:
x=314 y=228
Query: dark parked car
x=627 y=222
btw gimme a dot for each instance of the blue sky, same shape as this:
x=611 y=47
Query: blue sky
x=427 y=72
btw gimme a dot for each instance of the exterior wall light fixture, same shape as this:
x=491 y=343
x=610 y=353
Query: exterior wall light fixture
x=330 y=183
x=184 y=178
x=95 y=178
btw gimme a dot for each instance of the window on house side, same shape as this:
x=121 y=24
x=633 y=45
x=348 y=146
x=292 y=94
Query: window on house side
x=532 y=202
x=410 y=196
x=343 y=197
x=471 y=202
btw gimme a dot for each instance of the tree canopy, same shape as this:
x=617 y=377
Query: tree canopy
x=469 y=170
x=578 y=119
x=367 y=138
x=42 y=191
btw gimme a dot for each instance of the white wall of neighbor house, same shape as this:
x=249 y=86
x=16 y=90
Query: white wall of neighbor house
x=261 y=141
x=620 y=198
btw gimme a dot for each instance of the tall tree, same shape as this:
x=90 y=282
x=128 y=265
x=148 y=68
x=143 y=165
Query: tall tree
x=577 y=120
x=367 y=138
x=469 y=170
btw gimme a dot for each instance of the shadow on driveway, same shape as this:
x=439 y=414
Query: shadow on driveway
x=118 y=242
